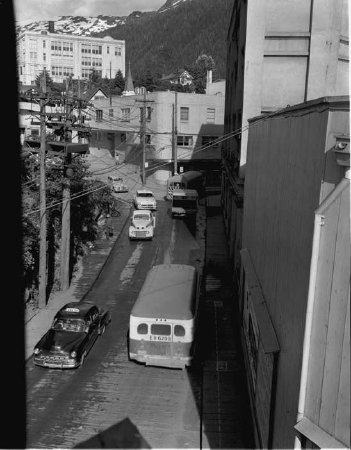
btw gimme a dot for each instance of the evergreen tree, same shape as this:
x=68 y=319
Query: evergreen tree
x=51 y=86
x=199 y=70
x=119 y=82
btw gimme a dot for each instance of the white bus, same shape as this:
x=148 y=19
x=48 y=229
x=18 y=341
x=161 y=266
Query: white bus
x=163 y=320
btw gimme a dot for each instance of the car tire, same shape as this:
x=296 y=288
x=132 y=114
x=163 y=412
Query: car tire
x=82 y=359
x=102 y=330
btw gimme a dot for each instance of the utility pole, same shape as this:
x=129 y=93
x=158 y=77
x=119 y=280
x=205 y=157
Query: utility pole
x=66 y=206
x=42 y=214
x=173 y=133
x=175 y=156
x=142 y=133
x=143 y=136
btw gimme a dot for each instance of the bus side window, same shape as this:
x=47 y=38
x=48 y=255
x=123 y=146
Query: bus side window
x=179 y=330
x=142 y=328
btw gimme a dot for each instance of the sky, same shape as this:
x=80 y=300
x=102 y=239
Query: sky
x=27 y=11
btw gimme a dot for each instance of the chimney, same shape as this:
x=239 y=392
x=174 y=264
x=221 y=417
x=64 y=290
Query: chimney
x=51 y=26
x=208 y=79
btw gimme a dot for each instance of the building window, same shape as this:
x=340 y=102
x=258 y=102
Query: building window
x=210 y=115
x=44 y=44
x=209 y=141
x=108 y=50
x=99 y=114
x=148 y=113
x=123 y=137
x=125 y=114
x=184 y=141
x=21 y=72
x=184 y=114
x=110 y=112
x=147 y=138
x=44 y=56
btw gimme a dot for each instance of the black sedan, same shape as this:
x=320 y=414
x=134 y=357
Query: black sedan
x=73 y=332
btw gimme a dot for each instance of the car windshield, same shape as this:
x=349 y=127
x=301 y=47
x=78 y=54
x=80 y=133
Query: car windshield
x=141 y=217
x=77 y=325
x=145 y=194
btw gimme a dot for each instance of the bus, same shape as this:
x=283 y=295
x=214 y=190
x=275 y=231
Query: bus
x=187 y=180
x=184 y=203
x=163 y=319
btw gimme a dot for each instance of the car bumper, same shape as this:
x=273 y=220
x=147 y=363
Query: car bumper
x=174 y=363
x=149 y=207
x=64 y=364
x=141 y=235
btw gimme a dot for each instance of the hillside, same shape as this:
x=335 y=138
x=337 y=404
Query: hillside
x=161 y=41
x=176 y=36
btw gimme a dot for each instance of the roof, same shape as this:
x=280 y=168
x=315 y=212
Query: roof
x=169 y=292
x=339 y=102
x=175 y=75
x=146 y=191
x=181 y=192
x=82 y=309
x=87 y=95
x=129 y=86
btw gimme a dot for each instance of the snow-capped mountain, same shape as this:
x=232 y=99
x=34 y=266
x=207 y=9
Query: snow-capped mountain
x=86 y=26
x=81 y=26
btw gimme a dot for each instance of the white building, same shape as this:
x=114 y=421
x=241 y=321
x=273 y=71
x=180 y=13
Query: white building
x=66 y=55
x=116 y=125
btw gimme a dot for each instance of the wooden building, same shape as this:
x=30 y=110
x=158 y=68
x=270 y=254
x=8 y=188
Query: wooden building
x=295 y=275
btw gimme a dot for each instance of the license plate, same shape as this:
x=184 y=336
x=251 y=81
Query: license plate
x=160 y=338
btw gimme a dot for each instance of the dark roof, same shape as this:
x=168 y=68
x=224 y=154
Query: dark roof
x=87 y=95
x=129 y=85
x=168 y=293
x=174 y=75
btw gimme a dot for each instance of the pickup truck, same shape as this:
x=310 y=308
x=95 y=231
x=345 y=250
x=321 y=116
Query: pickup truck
x=144 y=199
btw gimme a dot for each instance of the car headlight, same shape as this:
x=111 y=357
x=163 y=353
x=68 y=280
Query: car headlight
x=36 y=351
x=73 y=354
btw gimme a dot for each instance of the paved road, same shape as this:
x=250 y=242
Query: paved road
x=152 y=407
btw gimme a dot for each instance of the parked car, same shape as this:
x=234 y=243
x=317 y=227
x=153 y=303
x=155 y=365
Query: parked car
x=142 y=225
x=73 y=332
x=117 y=184
x=144 y=199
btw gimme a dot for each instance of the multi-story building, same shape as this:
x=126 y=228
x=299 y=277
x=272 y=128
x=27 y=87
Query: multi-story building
x=279 y=174
x=189 y=124
x=64 y=55
x=295 y=275
x=279 y=53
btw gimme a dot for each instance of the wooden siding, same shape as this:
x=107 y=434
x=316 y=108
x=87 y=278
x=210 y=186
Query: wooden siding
x=288 y=162
x=328 y=384
x=261 y=345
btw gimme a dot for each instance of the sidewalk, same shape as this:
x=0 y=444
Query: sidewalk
x=226 y=421
x=39 y=321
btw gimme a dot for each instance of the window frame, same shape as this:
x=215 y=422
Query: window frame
x=184 y=113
